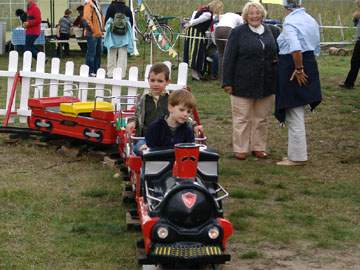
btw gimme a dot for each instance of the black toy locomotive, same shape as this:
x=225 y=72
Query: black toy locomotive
x=179 y=205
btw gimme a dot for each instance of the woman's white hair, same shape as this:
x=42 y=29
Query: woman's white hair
x=248 y=5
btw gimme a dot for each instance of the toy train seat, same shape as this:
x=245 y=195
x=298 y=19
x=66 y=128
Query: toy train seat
x=158 y=161
x=68 y=116
x=158 y=170
x=80 y=108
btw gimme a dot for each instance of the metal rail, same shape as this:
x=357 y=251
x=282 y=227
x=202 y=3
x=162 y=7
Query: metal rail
x=21 y=131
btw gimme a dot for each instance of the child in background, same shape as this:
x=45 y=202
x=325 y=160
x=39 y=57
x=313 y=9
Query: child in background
x=63 y=33
x=174 y=128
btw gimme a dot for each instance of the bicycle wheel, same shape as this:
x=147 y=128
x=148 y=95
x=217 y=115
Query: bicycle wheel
x=164 y=36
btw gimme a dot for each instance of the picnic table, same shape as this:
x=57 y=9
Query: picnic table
x=18 y=37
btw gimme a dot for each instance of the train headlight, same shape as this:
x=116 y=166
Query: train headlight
x=213 y=233
x=162 y=232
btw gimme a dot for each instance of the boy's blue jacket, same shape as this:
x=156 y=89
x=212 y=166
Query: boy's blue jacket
x=116 y=41
x=159 y=134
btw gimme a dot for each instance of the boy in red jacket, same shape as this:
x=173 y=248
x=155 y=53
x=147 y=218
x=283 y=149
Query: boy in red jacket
x=32 y=26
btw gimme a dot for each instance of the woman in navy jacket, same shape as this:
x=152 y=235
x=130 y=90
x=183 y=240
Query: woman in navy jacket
x=249 y=77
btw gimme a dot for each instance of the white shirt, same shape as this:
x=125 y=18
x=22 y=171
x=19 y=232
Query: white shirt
x=230 y=19
x=300 y=32
x=258 y=30
x=202 y=18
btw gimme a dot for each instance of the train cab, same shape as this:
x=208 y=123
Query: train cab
x=180 y=207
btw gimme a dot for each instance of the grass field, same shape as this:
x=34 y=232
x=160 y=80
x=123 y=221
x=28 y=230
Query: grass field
x=63 y=212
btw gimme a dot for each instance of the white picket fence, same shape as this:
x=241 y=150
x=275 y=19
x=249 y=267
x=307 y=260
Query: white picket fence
x=62 y=84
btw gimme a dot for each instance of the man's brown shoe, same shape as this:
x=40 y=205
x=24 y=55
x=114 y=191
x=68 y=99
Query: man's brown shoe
x=240 y=156
x=260 y=154
x=288 y=162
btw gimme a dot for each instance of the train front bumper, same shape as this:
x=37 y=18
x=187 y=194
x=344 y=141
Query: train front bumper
x=185 y=254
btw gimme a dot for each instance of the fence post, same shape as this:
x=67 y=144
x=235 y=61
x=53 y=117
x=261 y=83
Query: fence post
x=147 y=72
x=13 y=66
x=321 y=29
x=132 y=91
x=69 y=70
x=84 y=72
x=168 y=64
x=100 y=74
x=182 y=74
x=55 y=69
x=25 y=88
x=40 y=68
x=116 y=89
x=341 y=29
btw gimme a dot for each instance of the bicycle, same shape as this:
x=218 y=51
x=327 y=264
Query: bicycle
x=148 y=26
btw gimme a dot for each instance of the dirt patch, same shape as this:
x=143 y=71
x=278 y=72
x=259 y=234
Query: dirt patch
x=281 y=257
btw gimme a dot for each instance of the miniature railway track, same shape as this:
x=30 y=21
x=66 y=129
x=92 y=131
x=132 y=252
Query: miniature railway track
x=21 y=131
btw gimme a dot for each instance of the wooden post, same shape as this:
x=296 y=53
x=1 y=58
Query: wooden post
x=131 y=5
x=55 y=69
x=132 y=91
x=84 y=73
x=100 y=87
x=25 y=88
x=116 y=89
x=12 y=67
x=151 y=52
x=321 y=29
x=341 y=25
x=40 y=67
x=69 y=70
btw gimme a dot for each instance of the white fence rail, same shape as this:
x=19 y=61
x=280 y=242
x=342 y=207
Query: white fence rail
x=60 y=84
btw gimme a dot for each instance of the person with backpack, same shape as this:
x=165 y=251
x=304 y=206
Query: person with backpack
x=118 y=36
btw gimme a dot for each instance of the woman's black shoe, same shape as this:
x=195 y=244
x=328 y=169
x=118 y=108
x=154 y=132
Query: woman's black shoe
x=345 y=86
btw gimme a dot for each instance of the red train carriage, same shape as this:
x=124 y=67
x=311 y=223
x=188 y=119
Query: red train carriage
x=69 y=117
x=95 y=121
